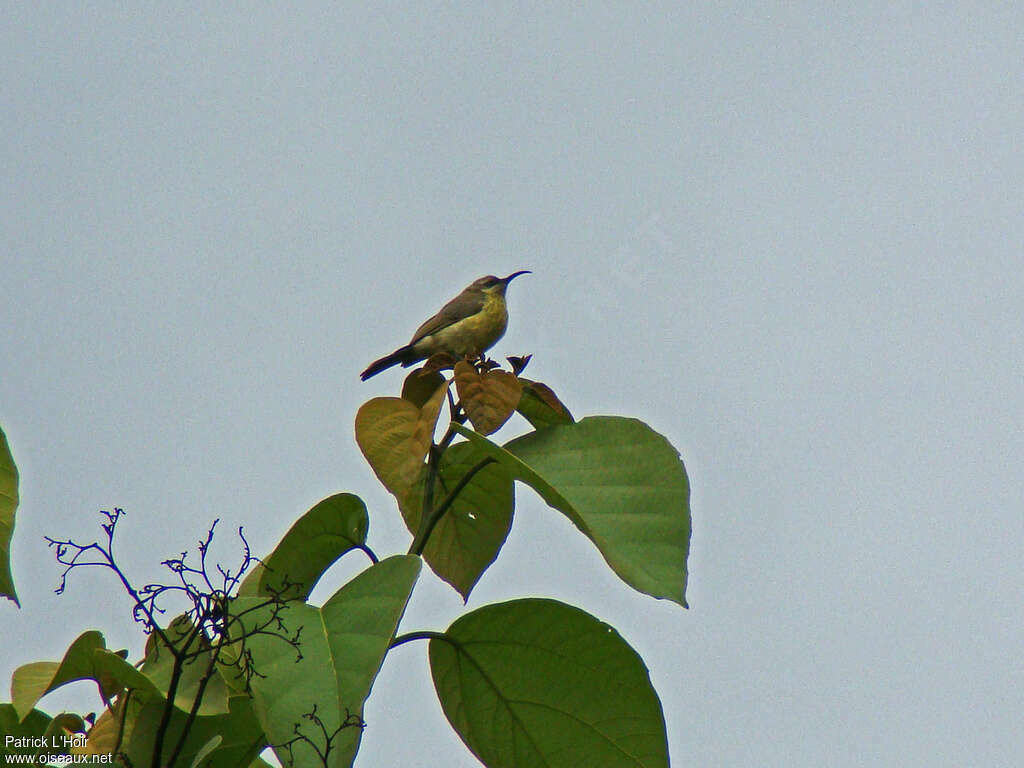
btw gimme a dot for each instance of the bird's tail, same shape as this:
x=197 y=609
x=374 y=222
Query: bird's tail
x=404 y=355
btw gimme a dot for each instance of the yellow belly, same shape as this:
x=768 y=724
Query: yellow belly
x=470 y=336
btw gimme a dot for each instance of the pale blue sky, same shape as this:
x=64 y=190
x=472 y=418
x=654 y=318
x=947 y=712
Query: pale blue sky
x=788 y=236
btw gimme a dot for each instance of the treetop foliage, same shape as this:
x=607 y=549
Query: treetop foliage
x=239 y=660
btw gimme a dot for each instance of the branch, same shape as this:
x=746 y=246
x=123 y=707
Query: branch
x=207 y=627
x=123 y=702
x=168 y=710
x=350 y=721
x=142 y=607
x=208 y=674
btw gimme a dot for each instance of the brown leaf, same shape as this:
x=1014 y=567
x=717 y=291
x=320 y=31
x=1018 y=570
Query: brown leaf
x=519 y=363
x=541 y=406
x=420 y=385
x=439 y=362
x=488 y=398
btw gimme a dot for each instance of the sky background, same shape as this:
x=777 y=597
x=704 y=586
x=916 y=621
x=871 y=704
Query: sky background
x=789 y=237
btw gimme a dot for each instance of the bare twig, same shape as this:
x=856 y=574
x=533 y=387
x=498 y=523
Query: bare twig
x=351 y=720
x=208 y=627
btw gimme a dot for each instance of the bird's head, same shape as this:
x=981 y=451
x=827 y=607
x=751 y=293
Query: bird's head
x=496 y=285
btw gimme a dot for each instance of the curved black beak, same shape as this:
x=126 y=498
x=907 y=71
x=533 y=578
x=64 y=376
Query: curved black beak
x=507 y=280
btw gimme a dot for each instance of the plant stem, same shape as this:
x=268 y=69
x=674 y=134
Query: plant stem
x=427 y=512
x=165 y=716
x=123 y=705
x=211 y=669
x=421 y=635
x=437 y=514
x=368 y=552
x=433 y=460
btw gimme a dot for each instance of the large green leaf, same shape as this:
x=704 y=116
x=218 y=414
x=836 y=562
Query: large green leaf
x=241 y=737
x=342 y=644
x=540 y=683
x=159 y=667
x=331 y=528
x=468 y=537
x=8 y=503
x=31 y=682
x=621 y=483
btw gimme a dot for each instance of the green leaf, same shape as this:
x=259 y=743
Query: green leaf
x=206 y=749
x=468 y=537
x=241 y=737
x=8 y=503
x=331 y=528
x=159 y=667
x=110 y=666
x=343 y=645
x=31 y=682
x=540 y=406
x=540 y=683
x=43 y=736
x=621 y=483
x=107 y=734
x=13 y=726
x=53 y=741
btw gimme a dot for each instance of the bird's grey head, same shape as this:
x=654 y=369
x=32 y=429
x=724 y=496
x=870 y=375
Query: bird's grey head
x=490 y=283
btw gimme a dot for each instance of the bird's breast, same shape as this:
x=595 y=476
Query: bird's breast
x=472 y=335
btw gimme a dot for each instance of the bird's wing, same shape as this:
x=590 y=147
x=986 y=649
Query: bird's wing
x=462 y=306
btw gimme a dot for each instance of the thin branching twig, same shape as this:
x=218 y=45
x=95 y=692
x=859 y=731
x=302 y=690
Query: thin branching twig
x=210 y=625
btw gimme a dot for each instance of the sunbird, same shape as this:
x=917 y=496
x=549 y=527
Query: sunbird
x=467 y=326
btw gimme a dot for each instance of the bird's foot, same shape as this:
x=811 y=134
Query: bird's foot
x=440 y=362
x=483 y=364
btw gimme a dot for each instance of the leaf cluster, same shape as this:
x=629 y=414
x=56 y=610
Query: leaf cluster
x=250 y=663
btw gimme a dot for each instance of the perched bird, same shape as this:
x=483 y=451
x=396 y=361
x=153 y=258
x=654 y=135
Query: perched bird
x=466 y=326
